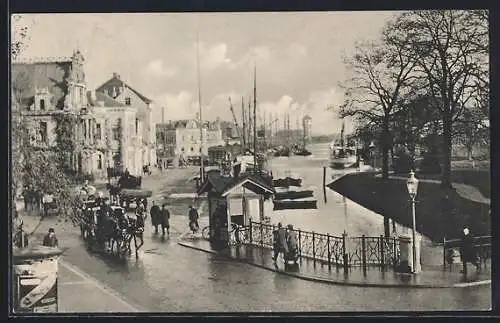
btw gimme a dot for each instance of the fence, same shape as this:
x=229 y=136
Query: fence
x=341 y=251
x=451 y=254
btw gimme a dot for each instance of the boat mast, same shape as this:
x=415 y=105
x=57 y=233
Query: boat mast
x=255 y=118
x=199 y=103
x=249 y=122
x=244 y=121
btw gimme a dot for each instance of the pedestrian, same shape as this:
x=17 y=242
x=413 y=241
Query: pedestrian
x=467 y=253
x=155 y=216
x=282 y=244
x=193 y=219
x=50 y=239
x=139 y=225
x=292 y=244
x=276 y=244
x=165 y=219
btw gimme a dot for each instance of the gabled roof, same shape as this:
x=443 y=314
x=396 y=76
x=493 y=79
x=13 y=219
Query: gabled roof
x=225 y=185
x=115 y=81
x=26 y=77
x=99 y=96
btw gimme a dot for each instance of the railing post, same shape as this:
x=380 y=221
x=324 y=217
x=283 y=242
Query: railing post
x=329 y=252
x=344 y=253
x=363 y=251
x=382 y=251
x=300 y=245
x=314 y=248
x=444 y=253
x=261 y=234
x=395 y=250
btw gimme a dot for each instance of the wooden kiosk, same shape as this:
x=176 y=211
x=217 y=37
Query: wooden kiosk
x=234 y=200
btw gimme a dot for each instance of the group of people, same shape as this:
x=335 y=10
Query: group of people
x=160 y=217
x=285 y=242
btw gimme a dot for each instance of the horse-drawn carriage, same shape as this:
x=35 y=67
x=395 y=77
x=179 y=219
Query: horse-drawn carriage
x=125 y=189
x=110 y=229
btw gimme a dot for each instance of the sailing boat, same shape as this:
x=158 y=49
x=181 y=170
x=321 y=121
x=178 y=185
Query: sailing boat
x=342 y=155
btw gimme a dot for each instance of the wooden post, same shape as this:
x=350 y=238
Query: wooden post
x=250 y=234
x=328 y=248
x=300 y=245
x=324 y=183
x=363 y=252
x=382 y=256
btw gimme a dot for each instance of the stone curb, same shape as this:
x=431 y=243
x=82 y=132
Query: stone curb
x=333 y=282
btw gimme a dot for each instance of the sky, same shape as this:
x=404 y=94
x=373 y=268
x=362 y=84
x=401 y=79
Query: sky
x=298 y=58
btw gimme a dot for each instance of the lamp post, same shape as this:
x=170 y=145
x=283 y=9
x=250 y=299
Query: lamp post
x=372 y=153
x=412 y=185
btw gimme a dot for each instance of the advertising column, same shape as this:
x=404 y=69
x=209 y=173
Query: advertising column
x=35 y=279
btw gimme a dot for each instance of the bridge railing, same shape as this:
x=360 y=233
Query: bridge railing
x=341 y=251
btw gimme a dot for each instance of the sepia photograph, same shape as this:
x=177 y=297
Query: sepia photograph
x=250 y=162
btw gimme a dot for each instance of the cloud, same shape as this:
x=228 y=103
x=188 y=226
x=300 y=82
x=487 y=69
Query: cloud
x=158 y=68
x=213 y=57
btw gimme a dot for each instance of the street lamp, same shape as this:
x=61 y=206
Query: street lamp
x=412 y=185
x=371 y=148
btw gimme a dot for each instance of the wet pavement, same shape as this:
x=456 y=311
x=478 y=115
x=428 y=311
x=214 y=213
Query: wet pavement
x=170 y=278
x=355 y=276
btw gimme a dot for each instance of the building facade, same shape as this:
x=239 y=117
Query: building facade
x=183 y=137
x=43 y=89
x=120 y=91
x=113 y=125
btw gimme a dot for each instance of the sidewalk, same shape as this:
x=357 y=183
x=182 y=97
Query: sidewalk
x=77 y=291
x=317 y=271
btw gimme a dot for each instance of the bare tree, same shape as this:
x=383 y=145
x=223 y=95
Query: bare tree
x=450 y=47
x=380 y=72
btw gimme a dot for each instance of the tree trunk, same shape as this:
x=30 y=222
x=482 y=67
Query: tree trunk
x=385 y=168
x=447 y=136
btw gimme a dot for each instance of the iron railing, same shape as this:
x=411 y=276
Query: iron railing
x=342 y=251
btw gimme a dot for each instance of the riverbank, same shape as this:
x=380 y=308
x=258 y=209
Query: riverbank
x=440 y=212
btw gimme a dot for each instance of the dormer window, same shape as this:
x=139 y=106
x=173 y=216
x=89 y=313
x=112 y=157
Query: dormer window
x=127 y=101
x=42 y=104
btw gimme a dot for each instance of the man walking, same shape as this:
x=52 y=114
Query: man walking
x=165 y=219
x=193 y=219
x=282 y=246
x=155 y=216
x=467 y=253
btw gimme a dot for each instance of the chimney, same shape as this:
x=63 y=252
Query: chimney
x=116 y=75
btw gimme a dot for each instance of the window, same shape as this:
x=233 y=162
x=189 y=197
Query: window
x=182 y=149
x=116 y=133
x=98 y=131
x=127 y=101
x=192 y=149
x=192 y=138
x=136 y=122
x=42 y=104
x=43 y=131
x=99 y=162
